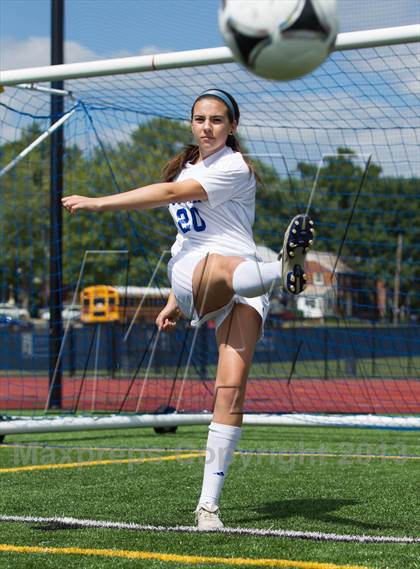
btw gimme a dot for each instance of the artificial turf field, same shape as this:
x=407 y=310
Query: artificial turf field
x=333 y=481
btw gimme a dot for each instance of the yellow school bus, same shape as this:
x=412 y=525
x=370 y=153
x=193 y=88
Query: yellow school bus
x=106 y=303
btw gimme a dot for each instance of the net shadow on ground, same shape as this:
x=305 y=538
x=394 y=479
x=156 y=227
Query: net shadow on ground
x=314 y=509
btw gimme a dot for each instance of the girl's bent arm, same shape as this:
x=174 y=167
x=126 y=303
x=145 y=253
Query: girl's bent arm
x=167 y=317
x=148 y=197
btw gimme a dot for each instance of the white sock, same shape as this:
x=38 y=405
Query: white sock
x=221 y=444
x=251 y=278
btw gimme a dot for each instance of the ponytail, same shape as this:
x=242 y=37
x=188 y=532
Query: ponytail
x=175 y=165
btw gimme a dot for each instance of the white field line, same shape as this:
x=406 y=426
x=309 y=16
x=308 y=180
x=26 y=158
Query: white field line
x=289 y=534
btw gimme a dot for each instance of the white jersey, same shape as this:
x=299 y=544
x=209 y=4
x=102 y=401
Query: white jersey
x=223 y=223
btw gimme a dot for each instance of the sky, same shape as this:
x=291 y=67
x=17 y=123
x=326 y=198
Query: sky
x=97 y=29
x=106 y=28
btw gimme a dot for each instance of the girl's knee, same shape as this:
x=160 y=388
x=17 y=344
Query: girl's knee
x=230 y=398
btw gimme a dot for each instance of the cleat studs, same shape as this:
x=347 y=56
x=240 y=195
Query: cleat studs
x=311 y=222
x=297 y=222
x=304 y=276
x=310 y=242
x=303 y=287
x=292 y=288
x=294 y=231
x=292 y=278
x=311 y=230
x=291 y=254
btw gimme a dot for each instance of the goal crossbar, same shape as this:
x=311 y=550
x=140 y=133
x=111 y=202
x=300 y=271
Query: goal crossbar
x=192 y=58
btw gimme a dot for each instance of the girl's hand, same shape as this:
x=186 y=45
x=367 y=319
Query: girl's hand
x=74 y=203
x=166 y=319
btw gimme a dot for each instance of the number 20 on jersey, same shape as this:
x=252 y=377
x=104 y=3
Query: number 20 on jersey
x=190 y=219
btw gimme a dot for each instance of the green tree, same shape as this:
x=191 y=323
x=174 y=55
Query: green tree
x=385 y=207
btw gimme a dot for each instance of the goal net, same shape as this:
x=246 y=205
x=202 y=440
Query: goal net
x=348 y=134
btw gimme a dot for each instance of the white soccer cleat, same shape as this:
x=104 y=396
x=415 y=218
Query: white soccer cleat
x=207 y=517
x=298 y=239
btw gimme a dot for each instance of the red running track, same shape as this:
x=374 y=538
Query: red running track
x=263 y=395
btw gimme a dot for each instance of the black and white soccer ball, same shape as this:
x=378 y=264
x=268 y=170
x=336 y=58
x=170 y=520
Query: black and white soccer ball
x=279 y=39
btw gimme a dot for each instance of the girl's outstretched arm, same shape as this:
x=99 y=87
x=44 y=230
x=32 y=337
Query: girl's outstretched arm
x=148 y=197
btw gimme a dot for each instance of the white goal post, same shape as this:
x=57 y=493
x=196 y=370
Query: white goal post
x=217 y=55
x=11 y=424
x=19 y=425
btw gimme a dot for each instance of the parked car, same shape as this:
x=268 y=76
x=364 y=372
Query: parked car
x=16 y=312
x=14 y=323
x=68 y=313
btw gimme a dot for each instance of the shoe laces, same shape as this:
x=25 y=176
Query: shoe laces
x=208 y=514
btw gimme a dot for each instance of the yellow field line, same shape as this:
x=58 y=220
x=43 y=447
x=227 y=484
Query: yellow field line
x=99 y=462
x=172 y=557
x=312 y=454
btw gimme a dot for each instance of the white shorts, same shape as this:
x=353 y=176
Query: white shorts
x=180 y=272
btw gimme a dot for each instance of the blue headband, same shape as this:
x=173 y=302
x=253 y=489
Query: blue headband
x=223 y=97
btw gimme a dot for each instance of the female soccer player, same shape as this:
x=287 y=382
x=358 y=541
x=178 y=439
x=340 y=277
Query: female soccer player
x=215 y=271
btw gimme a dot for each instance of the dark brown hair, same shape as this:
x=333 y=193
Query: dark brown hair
x=191 y=152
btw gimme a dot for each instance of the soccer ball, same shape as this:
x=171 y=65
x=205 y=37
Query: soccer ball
x=279 y=39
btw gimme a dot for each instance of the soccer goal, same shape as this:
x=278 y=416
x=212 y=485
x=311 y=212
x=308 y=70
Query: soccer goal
x=341 y=143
